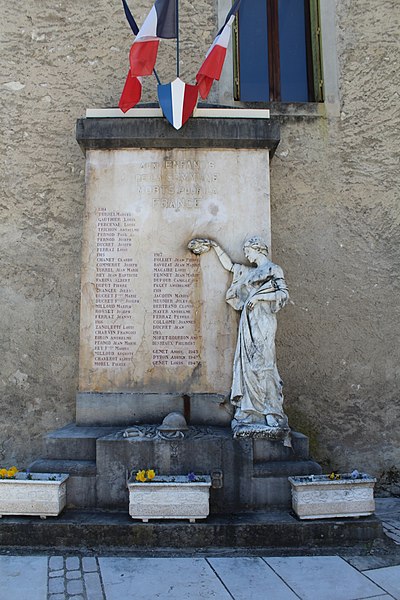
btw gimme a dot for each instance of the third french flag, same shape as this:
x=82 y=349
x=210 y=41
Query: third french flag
x=212 y=66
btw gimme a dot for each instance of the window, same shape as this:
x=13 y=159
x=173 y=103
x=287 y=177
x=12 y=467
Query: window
x=277 y=54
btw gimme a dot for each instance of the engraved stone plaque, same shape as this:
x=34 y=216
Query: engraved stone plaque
x=154 y=316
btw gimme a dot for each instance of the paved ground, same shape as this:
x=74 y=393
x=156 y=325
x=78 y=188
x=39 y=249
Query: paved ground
x=219 y=578
x=388 y=510
x=59 y=577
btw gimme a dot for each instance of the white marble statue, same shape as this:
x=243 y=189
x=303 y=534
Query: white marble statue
x=259 y=291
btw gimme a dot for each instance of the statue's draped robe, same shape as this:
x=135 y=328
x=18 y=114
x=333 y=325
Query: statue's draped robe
x=256 y=385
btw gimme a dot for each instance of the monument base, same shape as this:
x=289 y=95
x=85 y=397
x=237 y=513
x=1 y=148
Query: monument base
x=247 y=473
x=261 y=533
x=126 y=408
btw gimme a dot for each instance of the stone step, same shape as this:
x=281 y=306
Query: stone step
x=286 y=468
x=81 y=485
x=267 y=530
x=72 y=467
x=265 y=450
x=270 y=485
x=75 y=443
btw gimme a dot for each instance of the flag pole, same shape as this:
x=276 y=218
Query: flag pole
x=157 y=77
x=177 y=36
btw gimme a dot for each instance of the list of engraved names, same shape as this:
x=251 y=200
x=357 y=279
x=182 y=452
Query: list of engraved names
x=174 y=339
x=115 y=334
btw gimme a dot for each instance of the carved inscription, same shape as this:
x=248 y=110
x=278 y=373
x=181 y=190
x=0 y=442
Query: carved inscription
x=153 y=316
x=177 y=184
x=174 y=325
x=115 y=335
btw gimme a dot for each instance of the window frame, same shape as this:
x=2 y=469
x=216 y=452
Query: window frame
x=312 y=36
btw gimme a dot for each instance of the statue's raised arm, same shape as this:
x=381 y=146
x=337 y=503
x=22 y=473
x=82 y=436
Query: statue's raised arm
x=202 y=245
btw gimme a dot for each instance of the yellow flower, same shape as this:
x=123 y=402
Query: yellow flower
x=150 y=474
x=14 y=470
x=11 y=472
x=141 y=476
x=332 y=475
x=3 y=473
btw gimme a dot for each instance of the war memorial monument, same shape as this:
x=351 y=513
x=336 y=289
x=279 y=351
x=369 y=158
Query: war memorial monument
x=180 y=302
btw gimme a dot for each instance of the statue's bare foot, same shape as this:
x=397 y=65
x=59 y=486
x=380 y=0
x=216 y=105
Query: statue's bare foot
x=271 y=421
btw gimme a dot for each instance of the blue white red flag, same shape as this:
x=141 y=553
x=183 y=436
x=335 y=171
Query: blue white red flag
x=159 y=23
x=212 y=66
x=177 y=100
x=132 y=91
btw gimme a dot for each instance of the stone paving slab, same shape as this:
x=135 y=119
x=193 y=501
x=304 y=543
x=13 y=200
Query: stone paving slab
x=385 y=506
x=388 y=510
x=23 y=577
x=149 y=578
x=367 y=563
x=388 y=579
x=250 y=579
x=324 y=577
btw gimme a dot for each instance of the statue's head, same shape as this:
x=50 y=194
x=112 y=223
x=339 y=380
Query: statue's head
x=257 y=244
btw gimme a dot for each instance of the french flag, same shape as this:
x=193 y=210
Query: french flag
x=160 y=23
x=131 y=93
x=212 y=66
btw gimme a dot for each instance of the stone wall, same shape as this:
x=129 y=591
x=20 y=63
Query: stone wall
x=335 y=223
x=335 y=228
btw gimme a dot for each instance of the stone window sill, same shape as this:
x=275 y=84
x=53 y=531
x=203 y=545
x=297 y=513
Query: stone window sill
x=295 y=109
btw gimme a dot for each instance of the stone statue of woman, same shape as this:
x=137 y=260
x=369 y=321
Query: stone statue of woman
x=259 y=291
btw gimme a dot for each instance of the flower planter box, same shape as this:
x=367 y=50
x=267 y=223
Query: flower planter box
x=318 y=497
x=169 y=497
x=36 y=497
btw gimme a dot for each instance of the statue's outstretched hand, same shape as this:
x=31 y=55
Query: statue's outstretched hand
x=200 y=245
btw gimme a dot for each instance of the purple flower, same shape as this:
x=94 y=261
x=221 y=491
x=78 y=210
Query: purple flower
x=191 y=477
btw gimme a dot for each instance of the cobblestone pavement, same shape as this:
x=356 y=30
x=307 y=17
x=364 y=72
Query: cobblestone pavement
x=74 y=577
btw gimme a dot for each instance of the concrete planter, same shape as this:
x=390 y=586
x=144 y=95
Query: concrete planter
x=169 y=497
x=318 y=497
x=36 y=497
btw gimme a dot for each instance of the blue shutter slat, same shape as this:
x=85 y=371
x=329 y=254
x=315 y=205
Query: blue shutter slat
x=293 y=51
x=253 y=48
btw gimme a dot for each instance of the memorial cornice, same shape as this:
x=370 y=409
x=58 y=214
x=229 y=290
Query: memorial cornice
x=149 y=132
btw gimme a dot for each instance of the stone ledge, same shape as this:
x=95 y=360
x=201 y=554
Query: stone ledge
x=72 y=467
x=125 y=408
x=267 y=530
x=74 y=443
x=116 y=133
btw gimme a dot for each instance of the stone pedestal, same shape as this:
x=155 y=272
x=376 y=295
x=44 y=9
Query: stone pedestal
x=246 y=473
